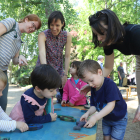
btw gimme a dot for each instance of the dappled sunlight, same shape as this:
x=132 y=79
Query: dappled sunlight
x=16 y=89
x=11 y=105
x=11 y=98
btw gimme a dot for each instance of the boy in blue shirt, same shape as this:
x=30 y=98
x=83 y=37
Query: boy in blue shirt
x=106 y=99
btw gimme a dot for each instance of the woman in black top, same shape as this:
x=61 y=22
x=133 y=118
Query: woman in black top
x=110 y=34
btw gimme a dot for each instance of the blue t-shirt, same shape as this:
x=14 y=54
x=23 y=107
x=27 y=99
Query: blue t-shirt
x=107 y=93
x=29 y=110
x=76 y=81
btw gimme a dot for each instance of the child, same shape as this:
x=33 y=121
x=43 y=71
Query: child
x=73 y=86
x=6 y=123
x=29 y=109
x=105 y=98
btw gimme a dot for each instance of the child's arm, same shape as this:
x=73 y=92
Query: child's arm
x=4 y=116
x=88 y=113
x=77 y=96
x=105 y=111
x=7 y=124
x=29 y=113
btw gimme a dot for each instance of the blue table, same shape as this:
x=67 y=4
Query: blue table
x=58 y=130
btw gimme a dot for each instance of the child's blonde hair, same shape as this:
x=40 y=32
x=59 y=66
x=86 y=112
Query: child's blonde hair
x=89 y=65
x=3 y=77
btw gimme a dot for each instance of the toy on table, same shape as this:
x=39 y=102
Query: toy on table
x=79 y=125
x=33 y=127
x=4 y=138
x=65 y=104
x=57 y=109
x=66 y=118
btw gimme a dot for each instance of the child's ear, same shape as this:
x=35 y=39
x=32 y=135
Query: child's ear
x=37 y=89
x=100 y=72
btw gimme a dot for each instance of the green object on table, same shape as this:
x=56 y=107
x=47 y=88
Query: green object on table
x=4 y=138
x=66 y=118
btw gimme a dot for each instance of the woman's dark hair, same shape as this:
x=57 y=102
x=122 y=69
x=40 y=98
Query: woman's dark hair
x=45 y=76
x=56 y=15
x=76 y=64
x=115 y=31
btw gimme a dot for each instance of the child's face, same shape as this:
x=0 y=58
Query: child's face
x=48 y=93
x=2 y=86
x=73 y=70
x=94 y=80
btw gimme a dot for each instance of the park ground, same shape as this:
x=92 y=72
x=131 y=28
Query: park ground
x=132 y=130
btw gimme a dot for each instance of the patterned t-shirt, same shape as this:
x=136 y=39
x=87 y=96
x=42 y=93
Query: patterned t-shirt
x=9 y=45
x=54 y=50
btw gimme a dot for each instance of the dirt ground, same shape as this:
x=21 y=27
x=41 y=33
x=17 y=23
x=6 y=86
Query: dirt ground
x=132 y=131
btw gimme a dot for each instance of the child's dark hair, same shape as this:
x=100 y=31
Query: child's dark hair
x=88 y=65
x=56 y=15
x=76 y=64
x=45 y=76
x=115 y=31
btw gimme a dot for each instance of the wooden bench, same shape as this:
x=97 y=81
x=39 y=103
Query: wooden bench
x=127 y=91
x=131 y=86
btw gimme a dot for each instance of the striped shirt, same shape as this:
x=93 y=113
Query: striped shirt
x=6 y=123
x=9 y=45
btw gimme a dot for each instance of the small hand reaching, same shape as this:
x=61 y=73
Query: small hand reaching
x=53 y=116
x=84 y=117
x=22 y=126
x=63 y=102
x=91 y=122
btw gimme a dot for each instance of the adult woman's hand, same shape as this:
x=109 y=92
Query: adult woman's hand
x=137 y=115
x=85 y=89
x=22 y=61
x=64 y=80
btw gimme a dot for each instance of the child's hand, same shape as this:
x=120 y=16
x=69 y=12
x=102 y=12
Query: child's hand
x=53 y=116
x=71 y=104
x=84 y=117
x=63 y=102
x=91 y=122
x=85 y=89
x=22 y=126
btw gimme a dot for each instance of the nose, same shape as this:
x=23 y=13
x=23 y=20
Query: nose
x=100 y=38
x=54 y=27
x=90 y=84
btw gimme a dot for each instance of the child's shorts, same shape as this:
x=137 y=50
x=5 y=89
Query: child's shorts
x=115 y=129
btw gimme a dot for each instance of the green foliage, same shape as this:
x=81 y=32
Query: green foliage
x=18 y=9
x=126 y=10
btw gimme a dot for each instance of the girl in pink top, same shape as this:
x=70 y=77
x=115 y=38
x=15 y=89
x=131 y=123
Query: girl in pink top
x=73 y=86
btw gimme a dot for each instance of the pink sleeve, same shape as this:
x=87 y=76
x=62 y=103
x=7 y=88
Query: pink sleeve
x=77 y=96
x=65 y=92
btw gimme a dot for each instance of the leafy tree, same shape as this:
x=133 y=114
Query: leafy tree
x=19 y=9
x=126 y=10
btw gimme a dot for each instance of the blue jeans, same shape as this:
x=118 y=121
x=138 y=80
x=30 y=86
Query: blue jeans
x=115 y=129
x=3 y=98
x=120 y=82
